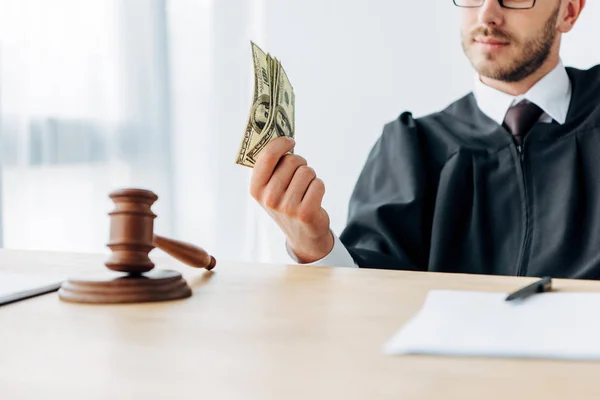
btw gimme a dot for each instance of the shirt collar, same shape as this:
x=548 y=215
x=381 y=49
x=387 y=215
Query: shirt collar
x=552 y=94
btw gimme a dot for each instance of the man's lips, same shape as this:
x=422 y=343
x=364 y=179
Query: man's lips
x=491 y=43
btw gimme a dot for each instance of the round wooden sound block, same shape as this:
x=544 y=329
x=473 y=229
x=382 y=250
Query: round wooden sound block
x=107 y=287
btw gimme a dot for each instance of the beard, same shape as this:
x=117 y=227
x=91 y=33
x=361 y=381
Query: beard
x=531 y=56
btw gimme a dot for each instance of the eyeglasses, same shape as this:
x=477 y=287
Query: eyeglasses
x=511 y=4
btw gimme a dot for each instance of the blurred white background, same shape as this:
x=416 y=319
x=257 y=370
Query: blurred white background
x=101 y=94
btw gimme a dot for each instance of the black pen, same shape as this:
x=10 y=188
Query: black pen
x=543 y=285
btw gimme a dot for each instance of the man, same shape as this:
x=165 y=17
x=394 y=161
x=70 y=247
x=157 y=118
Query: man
x=504 y=181
x=262 y=110
x=282 y=123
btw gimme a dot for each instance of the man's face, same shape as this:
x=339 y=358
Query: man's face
x=283 y=125
x=261 y=115
x=509 y=45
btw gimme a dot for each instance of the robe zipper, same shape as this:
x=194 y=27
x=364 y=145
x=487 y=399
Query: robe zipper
x=525 y=245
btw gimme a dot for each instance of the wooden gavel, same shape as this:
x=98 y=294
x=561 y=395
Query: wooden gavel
x=188 y=254
x=132 y=236
x=131 y=239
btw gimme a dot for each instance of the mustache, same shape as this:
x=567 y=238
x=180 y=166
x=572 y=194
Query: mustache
x=491 y=32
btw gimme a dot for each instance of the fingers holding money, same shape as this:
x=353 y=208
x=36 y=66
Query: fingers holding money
x=291 y=193
x=310 y=207
x=297 y=187
x=266 y=163
x=282 y=189
x=281 y=181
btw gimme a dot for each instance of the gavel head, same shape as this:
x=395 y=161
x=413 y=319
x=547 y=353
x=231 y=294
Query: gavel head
x=131 y=231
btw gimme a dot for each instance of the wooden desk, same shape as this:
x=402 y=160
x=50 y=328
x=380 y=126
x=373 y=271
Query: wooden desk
x=258 y=332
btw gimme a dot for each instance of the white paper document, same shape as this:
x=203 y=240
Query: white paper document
x=14 y=287
x=545 y=325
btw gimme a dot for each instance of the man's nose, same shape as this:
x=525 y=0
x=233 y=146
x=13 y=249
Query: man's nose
x=491 y=13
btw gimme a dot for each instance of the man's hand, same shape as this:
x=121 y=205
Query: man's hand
x=285 y=186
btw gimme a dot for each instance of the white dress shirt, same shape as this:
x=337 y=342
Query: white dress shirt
x=552 y=94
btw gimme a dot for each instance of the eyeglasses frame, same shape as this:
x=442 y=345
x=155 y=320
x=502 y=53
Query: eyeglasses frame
x=501 y=2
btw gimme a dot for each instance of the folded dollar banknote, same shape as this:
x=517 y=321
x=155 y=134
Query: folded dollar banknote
x=272 y=110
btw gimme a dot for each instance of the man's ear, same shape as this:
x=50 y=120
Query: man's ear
x=569 y=14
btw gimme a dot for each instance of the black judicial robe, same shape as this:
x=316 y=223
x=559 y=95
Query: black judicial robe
x=451 y=192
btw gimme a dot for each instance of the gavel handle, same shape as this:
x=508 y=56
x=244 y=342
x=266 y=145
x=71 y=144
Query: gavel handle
x=186 y=253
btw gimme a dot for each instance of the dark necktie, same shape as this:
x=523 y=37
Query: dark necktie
x=520 y=119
